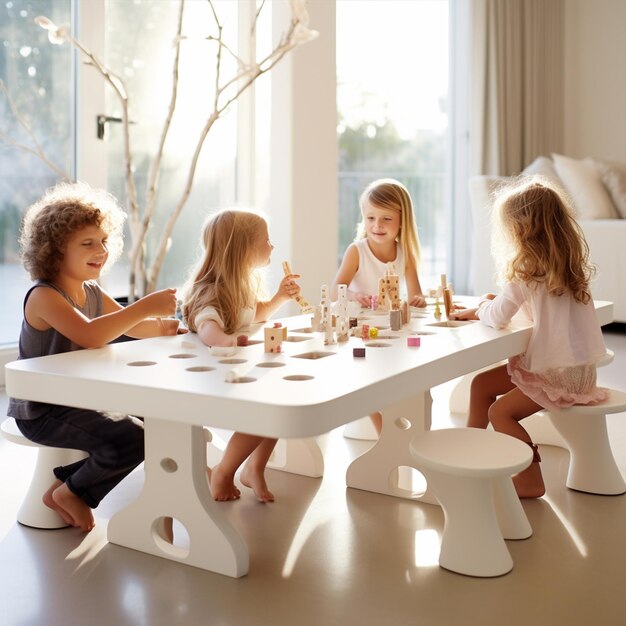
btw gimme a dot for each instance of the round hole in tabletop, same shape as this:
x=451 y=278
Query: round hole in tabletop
x=270 y=364
x=299 y=377
x=377 y=344
x=141 y=363
x=199 y=368
x=183 y=355
x=232 y=361
x=169 y=465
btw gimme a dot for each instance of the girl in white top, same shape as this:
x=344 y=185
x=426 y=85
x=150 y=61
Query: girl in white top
x=222 y=299
x=544 y=259
x=386 y=234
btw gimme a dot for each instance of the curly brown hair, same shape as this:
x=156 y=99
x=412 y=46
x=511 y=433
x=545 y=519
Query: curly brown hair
x=59 y=213
x=537 y=239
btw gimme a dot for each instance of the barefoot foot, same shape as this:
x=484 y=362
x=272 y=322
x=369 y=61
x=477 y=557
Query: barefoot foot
x=529 y=483
x=74 y=507
x=222 y=485
x=256 y=481
x=48 y=500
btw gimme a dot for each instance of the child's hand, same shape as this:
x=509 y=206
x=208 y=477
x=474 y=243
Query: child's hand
x=170 y=326
x=161 y=303
x=363 y=299
x=419 y=301
x=463 y=314
x=288 y=287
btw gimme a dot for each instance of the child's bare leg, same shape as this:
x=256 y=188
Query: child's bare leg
x=253 y=474
x=48 y=500
x=505 y=415
x=74 y=506
x=377 y=420
x=222 y=476
x=485 y=388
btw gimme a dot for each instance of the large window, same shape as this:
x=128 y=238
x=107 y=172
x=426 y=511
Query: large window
x=37 y=99
x=135 y=39
x=393 y=110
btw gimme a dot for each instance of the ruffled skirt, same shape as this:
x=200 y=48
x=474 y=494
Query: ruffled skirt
x=560 y=388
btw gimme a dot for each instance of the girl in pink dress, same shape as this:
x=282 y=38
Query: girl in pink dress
x=544 y=264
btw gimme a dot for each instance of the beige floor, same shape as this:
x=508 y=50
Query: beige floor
x=327 y=555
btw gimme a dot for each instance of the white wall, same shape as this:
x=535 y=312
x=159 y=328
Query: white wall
x=595 y=80
x=303 y=198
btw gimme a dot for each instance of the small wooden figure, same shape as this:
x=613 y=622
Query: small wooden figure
x=437 y=310
x=303 y=303
x=395 y=319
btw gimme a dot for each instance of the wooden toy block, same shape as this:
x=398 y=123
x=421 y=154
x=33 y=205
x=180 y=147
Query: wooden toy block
x=389 y=290
x=373 y=332
x=303 y=303
x=373 y=302
x=242 y=340
x=406 y=313
x=358 y=352
x=274 y=339
x=413 y=342
x=342 y=330
x=437 y=310
x=353 y=322
x=395 y=319
x=447 y=301
x=365 y=331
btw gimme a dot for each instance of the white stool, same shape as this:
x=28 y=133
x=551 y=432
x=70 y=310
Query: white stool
x=470 y=471
x=33 y=512
x=592 y=466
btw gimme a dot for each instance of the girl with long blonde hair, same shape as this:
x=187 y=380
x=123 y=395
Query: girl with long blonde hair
x=222 y=298
x=544 y=266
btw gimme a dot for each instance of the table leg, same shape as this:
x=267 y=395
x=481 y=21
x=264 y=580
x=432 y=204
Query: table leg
x=176 y=486
x=377 y=469
x=298 y=456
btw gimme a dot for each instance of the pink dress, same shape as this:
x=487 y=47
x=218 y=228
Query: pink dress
x=558 y=368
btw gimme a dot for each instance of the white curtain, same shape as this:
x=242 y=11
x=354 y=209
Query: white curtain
x=516 y=83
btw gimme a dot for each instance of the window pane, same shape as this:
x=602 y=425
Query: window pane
x=392 y=91
x=139 y=45
x=37 y=76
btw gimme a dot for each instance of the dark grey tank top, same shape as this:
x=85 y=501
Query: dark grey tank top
x=34 y=343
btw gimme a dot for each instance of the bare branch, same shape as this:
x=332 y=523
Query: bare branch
x=153 y=179
x=38 y=150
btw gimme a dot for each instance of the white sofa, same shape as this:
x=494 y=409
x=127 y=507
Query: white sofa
x=606 y=239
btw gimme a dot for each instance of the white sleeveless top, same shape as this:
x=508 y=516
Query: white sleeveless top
x=370 y=270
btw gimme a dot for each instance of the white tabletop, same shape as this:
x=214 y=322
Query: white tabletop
x=179 y=379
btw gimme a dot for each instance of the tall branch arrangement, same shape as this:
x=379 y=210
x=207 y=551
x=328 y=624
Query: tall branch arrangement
x=227 y=89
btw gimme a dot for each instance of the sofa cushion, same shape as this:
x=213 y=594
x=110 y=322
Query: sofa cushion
x=544 y=167
x=613 y=175
x=582 y=182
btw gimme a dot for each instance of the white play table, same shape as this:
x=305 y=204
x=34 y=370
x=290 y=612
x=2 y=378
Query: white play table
x=178 y=386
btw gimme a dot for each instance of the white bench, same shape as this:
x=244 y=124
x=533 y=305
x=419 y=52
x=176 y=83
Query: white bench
x=33 y=512
x=469 y=471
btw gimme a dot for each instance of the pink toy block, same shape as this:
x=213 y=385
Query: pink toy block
x=413 y=342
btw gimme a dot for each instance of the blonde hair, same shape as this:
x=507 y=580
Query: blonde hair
x=387 y=193
x=538 y=240
x=225 y=277
x=59 y=213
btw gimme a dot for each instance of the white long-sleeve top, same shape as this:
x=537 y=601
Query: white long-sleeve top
x=558 y=367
